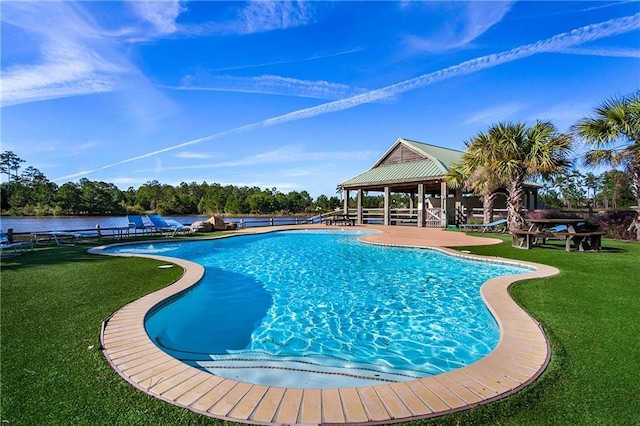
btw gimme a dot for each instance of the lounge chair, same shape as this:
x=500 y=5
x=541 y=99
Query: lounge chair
x=64 y=238
x=136 y=223
x=17 y=247
x=167 y=226
x=495 y=226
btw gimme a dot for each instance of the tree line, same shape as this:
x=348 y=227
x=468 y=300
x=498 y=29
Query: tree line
x=31 y=193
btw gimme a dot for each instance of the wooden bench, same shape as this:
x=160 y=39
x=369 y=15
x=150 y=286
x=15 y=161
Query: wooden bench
x=340 y=219
x=582 y=240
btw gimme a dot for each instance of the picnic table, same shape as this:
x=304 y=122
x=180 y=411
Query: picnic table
x=568 y=230
x=340 y=219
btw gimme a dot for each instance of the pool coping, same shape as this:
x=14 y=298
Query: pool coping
x=520 y=357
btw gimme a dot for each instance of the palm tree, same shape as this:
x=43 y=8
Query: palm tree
x=512 y=153
x=474 y=177
x=614 y=136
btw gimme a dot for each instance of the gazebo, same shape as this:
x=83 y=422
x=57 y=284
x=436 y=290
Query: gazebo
x=417 y=169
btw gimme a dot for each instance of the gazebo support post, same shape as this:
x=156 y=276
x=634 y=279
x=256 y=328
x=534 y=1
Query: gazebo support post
x=359 y=218
x=443 y=203
x=345 y=202
x=459 y=211
x=387 y=204
x=420 y=205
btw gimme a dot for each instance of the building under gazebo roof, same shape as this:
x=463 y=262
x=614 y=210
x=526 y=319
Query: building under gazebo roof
x=417 y=169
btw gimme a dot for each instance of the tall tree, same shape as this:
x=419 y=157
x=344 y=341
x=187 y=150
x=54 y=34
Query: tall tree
x=10 y=164
x=613 y=133
x=593 y=184
x=615 y=189
x=513 y=152
x=471 y=174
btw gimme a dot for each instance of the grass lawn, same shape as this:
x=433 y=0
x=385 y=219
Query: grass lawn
x=54 y=299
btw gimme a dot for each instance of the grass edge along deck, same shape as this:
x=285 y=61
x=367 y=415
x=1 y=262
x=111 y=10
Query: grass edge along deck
x=520 y=357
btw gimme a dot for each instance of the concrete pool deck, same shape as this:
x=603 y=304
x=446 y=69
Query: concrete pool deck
x=521 y=356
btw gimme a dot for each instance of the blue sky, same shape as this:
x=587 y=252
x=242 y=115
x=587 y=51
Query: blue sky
x=292 y=95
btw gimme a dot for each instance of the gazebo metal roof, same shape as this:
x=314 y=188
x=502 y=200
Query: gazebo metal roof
x=406 y=162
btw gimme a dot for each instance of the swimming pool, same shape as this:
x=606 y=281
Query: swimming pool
x=314 y=309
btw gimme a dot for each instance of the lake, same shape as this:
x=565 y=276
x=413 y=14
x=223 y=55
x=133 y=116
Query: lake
x=64 y=223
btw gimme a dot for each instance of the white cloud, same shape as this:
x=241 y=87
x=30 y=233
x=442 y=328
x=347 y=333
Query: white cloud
x=72 y=59
x=466 y=21
x=261 y=16
x=161 y=15
x=258 y=17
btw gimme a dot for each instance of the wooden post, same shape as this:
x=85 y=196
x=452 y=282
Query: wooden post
x=359 y=217
x=458 y=209
x=345 y=202
x=387 y=205
x=443 y=203
x=421 y=205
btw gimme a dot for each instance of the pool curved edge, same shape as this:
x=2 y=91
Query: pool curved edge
x=520 y=357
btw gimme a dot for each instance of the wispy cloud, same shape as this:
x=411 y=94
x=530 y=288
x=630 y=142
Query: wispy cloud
x=565 y=40
x=161 y=15
x=191 y=154
x=270 y=84
x=72 y=59
x=76 y=56
x=258 y=17
x=467 y=22
x=495 y=113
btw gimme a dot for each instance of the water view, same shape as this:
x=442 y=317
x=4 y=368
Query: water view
x=47 y=223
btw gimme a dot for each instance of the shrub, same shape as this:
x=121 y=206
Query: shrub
x=550 y=214
x=616 y=224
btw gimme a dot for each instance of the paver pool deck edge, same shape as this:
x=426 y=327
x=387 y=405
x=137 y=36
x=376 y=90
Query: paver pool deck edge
x=520 y=357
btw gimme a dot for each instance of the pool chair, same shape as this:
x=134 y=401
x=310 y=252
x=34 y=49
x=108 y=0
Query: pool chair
x=495 y=226
x=136 y=222
x=167 y=226
x=17 y=248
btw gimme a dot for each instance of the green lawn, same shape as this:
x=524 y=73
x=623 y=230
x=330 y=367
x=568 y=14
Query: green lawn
x=54 y=299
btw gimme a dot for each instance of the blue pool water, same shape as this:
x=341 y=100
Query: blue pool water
x=318 y=309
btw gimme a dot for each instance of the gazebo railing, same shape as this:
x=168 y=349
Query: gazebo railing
x=433 y=218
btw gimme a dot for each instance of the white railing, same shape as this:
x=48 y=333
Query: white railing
x=405 y=216
x=433 y=218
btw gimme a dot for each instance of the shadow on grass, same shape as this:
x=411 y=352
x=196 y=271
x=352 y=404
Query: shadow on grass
x=45 y=256
x=56 y=255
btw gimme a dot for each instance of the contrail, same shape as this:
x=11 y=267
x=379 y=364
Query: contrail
x=554 y=44
x=311 y=58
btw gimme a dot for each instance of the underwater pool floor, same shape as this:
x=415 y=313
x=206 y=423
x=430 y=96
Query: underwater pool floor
x=521 y=356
